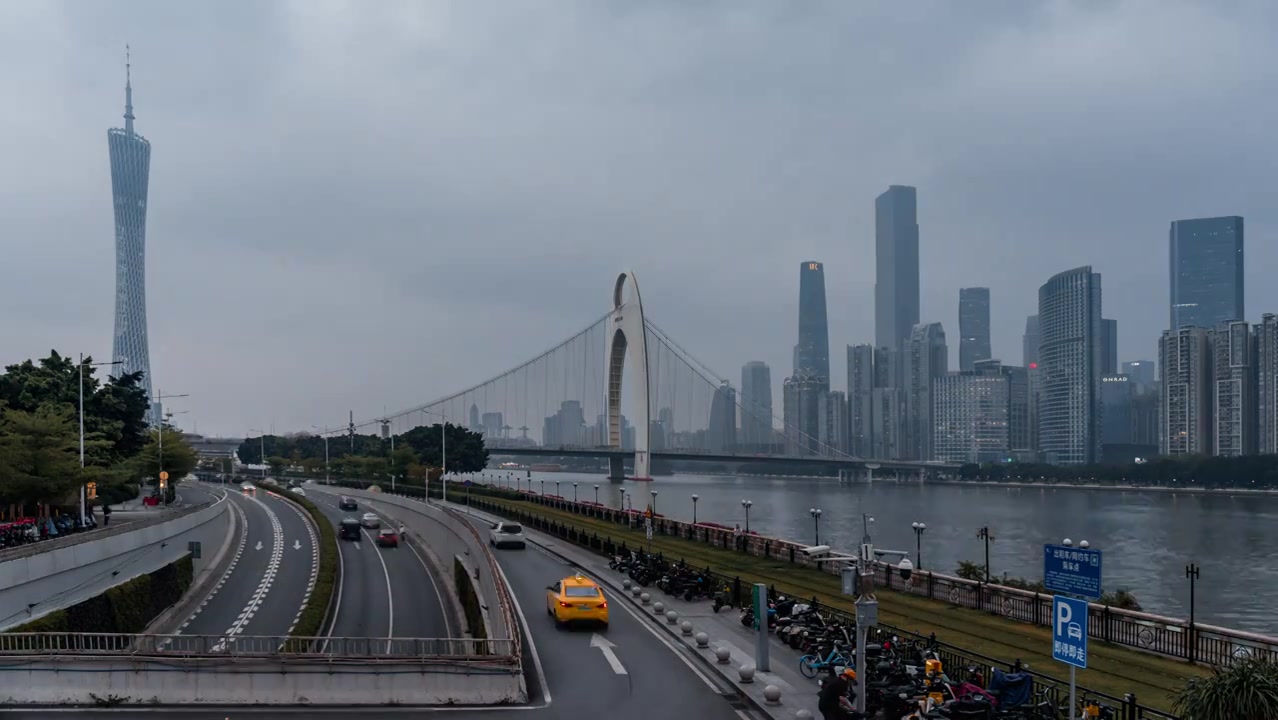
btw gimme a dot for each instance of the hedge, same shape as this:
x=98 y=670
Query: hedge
x=311 y=623
x=469 y=600
x=125 y=608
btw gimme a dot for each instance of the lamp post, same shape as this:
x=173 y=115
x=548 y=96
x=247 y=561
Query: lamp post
x=543 y=487
x=159 y=434
x=918 y=529
x=985 y=534
x=816 y=524
x=443 y=455
x=83 y=491
x=322 y=434
x=557 y=493
x=1191 y=572
x=263 y=451
x=574 y=493
x=654 y=503
x=596 y=494
x=865 y=528
x=695 y=498
x=747 y=505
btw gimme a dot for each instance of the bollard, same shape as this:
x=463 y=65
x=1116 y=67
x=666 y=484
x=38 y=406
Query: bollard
x=747 y=674
x=703 y=640
x=772 y=694
x=723 y=654
x=658 y=608
x=626 y=583
x=636 y=590
x=645 y=598
x=685 y=627
x=803 y=715
x=672 y=617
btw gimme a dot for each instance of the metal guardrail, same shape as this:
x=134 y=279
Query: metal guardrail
x=255 y=646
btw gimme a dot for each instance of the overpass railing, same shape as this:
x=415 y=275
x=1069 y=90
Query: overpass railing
x=258 y=646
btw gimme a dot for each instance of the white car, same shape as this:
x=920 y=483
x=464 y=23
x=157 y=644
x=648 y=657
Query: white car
x=247 y=487
x=506 y=534
x=299 y=492
x=371 y=521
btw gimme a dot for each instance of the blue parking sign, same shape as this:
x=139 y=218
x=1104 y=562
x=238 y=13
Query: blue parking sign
x=1069 y=631
x=1072 y=570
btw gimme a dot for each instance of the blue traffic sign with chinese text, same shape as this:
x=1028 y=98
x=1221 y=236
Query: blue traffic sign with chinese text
x=1072 y=571
x=1069 y=631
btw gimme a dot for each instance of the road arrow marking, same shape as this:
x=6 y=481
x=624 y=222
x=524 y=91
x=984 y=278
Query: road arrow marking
x=258 y=546
x=297 y=544
x=606 y=647
x=356 y=546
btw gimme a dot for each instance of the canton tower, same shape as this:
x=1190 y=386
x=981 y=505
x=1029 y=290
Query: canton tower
x=130 y=170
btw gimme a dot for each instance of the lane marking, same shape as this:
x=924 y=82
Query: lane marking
x=605 y=647
x=268 y=577
x=532 y=644
x=239 y=550
x=390 y=599
x=297 y=545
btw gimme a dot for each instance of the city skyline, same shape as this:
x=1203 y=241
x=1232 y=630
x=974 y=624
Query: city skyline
x=723 y=193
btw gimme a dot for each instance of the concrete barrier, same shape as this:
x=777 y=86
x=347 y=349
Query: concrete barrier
x=35 y=583
x=448 y=534
x=129 y=681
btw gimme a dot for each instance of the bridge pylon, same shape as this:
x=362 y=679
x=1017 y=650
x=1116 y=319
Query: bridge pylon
x=628 y=351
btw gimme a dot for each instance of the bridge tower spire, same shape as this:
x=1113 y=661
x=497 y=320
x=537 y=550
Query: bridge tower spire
x=628 y=345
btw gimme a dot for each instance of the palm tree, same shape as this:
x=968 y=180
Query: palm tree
x=1246 y=689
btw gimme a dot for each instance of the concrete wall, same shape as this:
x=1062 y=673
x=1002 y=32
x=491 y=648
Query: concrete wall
x=448 y=534
x=39 y=583
x=250 y=682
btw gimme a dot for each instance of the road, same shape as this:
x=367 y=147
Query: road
x=385 y=592
x=271 y=575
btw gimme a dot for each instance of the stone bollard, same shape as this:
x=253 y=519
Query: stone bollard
x=636 y=590
x=658 y=608
x=672 y=617
x=645 y=598
x=772 y=694
x=626 y=583
x=703 y=640
x=685 y=627
x=747 y=674
x=723 y=654
x=803 y=715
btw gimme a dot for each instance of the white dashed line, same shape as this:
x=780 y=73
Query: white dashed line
x=239 y=550
x=268 y=578
x=310 y=584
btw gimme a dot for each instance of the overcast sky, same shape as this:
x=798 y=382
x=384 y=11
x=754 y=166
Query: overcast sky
x=365 y=204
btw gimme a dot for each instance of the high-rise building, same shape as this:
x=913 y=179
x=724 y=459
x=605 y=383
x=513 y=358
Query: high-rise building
x=1267 y=382
x=1029 y=349
x=1116 y=394
x=474 y=417
x=1234 y=394
x=1069 y=408
x=756 y=407
x=1185 y=398
x=812 y=354
x=801 y=394
x=977 y=413
x=861 y=400
x=1141 y=372
x=974 y=326
x=888 y=423
x=1029 y=343
x=1206 y=272
x=567 y=427
x=130 y=175
x=492 y=423
x=832 y=406
x=1145 y=415
x=926 y=359
x=896 y=261
x=721 y=436
x=1109 y=347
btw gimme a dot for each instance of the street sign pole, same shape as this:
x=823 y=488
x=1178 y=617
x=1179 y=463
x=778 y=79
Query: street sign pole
x=761 y=627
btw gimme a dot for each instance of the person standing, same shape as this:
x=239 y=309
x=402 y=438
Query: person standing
x=106 y=515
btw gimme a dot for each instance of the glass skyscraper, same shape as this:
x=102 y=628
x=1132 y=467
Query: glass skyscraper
x=1069 y=363
x=812 y=354
x=1206 y=272
x=974 y=326
x=896 y=266
x=130 y=171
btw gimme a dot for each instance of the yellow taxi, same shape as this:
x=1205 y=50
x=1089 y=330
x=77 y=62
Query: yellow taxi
x=577 y=599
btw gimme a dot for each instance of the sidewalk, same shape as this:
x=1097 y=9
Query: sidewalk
x=724 y=630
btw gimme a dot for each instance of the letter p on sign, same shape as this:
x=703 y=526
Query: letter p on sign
x=1064 y=615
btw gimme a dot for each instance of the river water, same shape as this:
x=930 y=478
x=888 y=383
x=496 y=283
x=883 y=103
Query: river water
x=1147 y=537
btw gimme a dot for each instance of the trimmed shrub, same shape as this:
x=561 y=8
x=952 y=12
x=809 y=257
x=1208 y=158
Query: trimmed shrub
x=316 y=612
x=125 y=608
x=469 y=600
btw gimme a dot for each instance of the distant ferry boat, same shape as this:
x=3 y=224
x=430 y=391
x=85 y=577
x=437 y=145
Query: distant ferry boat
x=546 y=467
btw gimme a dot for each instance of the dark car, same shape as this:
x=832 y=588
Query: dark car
x=348 y=529
x=347 y=504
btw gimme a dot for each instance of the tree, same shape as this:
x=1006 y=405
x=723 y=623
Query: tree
x=969 y=570
x=278 y=465
x=1246 y=689
x=178 y=460
x=39 y=456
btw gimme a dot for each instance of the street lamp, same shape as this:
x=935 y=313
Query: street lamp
x=865 y=528
x=263 y=451
x=1191 y=572
x=816 y=524
x=323 y=435
x=654 y=503
x=543 y=487
x=596 y=494
x=695 y=498
x=918 y=529
x=574 y=493
x=443 y=454
x=83 y=491
x=747 y=505
x=159 y=396
x=557 y=493
x=985 y=534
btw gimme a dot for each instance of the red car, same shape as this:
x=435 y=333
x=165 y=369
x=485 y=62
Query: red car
x=387 y=538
